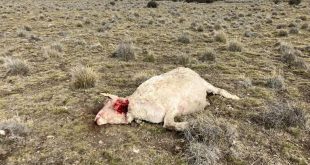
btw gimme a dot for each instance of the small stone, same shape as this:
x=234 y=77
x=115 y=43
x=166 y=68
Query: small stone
x=135 y=150
x=2 y=132
x=50 y=137
x=100 y=141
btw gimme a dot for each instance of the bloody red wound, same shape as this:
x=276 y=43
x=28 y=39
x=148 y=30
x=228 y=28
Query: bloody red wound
x=121 y=106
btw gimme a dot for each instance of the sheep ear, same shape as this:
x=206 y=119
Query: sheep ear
x=109 y=95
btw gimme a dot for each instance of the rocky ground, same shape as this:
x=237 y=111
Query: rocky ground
x=258 y=50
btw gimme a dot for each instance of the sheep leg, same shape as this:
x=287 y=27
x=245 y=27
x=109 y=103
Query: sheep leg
x=222 y=92
x=169 y=122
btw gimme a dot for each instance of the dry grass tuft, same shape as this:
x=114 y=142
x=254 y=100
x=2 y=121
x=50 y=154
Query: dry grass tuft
x=220 y=37
x=53 y=50
x=15 y=66
x=184 y=59
x=124 y=51
x=83 y=77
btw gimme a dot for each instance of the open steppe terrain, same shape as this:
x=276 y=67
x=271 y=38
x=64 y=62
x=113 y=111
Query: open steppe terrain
x=257 y=50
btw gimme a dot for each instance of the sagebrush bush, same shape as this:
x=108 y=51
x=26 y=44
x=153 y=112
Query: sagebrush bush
x=304 y=26
x=282 y=33
x=200 y=1
x=149 y=58
x=235 y=46
x=83 y=77
x=22 y=33
x=246 y=82
x=183 y=59
x=57 y=46
x=15 y=66
x=294 y=2
x=208 y=55
x=294 y=30
x=276 y=82
x=281 y=115
x=184 y=38
x=291 y=56
x=209 y=140
x=14 y=128
x=124 y=51
x=220 y=37
x=152 y=4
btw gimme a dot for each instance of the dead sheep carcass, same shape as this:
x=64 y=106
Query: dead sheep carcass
x=160 y=99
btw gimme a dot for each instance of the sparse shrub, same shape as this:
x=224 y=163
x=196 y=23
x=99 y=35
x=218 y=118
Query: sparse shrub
x=200 y=28
x=220 y=37
x=200 y=1
x=209 y=140
x=303 y=18
x=53 y=50
x=124 y=51
x=292 y=25
x=184 y=38
x=294 y=30
x=79 y=24
x=281 y=115
x=183 y=59
x=304 y=26
x=294 y=2
x=235 y=46
x=15 y=66
x=57 y=46
x=14 y=128
x=208 y=55
x=276 y=82
x=282 y=33
x=291 y=56
x=249 y=33
x=217 y=27
x=83 y=77
x=276 y=1
x=22 y=33
x=281 y=26
x=152 y=4
x=269 y=21
x=149 y=58
x=27 y=28
x=246 y=82
x=200 y=153
x=34 y=38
